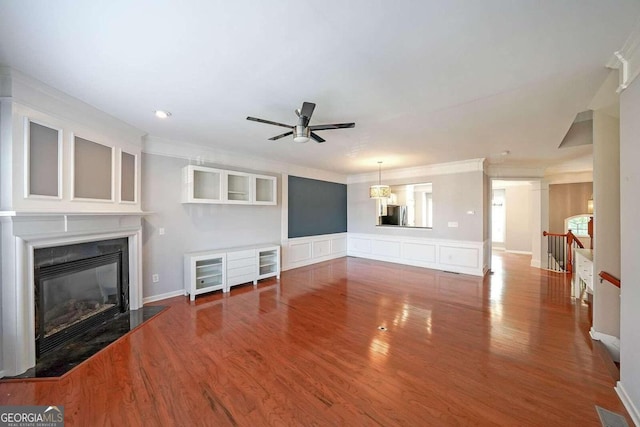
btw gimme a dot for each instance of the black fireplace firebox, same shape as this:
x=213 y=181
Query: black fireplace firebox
x=78 y=287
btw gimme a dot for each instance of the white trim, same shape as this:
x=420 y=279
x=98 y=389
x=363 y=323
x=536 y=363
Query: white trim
x=631 y=408
x=514 y=172
x=518 y=252
x=473 y=165
x=466 y=257
x=609 y=341
x=154 y=298
x=627 y=60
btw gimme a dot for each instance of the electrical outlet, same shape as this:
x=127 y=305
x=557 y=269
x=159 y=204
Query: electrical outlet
x=161 y=231
x=452 y=224
x=155 y=278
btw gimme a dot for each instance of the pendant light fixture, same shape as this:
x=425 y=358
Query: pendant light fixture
x=379 y=191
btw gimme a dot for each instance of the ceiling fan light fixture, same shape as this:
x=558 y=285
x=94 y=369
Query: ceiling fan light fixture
x=301 y=134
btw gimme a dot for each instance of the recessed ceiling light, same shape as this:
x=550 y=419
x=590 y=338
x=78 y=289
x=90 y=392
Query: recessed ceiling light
x=162 y=114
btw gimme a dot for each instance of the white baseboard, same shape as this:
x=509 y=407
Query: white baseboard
x=628 y=403
x=610 y=342
x=160 y=297
x=535 y=263
x=518 y=252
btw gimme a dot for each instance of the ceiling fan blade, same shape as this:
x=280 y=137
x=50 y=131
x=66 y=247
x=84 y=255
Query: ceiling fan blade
x=269 y=122
x=332 y=126
x=316 y=138
x=281 y=136
x=307 y=111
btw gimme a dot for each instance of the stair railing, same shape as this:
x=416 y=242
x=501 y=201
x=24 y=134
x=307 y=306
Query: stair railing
x=609 y=278
x=560 y=250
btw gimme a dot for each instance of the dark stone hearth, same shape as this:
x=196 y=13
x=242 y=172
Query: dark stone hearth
x=60 y=361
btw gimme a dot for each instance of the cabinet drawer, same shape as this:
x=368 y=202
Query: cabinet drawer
x=239 y=263
x=232 y=281
x=249 y=253
x=241 y=271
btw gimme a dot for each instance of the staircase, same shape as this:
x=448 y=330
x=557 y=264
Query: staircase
x=560 y=251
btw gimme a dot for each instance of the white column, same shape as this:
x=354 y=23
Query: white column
x=539 y=223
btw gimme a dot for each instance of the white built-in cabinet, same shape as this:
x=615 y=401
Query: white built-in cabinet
x=221 y=269
x=268 y=262
x=63 y=168
x=204 y=272
x=201 y=184
x=264 y=190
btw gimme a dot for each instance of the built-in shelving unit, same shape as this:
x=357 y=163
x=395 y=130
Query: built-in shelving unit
x=238 y=187
x=203 y=184
x=264 y=190
x=204 y=272
x=221 y=269
x=269 y=262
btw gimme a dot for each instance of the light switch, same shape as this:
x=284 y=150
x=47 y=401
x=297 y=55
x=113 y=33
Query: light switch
x=161 y=231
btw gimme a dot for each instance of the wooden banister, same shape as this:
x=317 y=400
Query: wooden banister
x=570 y=239
x=609 y=278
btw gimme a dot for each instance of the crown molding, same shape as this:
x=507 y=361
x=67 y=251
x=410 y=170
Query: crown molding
x=472 y=165
x=627 y=60
x=515 y=172
x=199 y=154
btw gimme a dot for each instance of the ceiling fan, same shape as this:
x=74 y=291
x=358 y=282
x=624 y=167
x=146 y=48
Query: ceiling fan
x=302 y=131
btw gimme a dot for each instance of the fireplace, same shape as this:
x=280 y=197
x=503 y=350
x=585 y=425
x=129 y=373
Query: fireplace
x=77 y=287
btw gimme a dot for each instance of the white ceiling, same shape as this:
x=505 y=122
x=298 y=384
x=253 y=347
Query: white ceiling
x=425 y=81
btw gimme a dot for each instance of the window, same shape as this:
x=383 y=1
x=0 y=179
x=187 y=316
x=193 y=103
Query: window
x=579 y=225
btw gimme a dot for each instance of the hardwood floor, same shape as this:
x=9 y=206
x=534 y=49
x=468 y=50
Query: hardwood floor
x=509 y=349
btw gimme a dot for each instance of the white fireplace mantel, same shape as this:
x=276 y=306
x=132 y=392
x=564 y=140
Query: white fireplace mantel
x=22 y=233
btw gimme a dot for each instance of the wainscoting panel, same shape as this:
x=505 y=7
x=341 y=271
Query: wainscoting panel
x=421 y=252
x=449 y=255
x=356 y=244
x=387 y=248
x=462 y=257
x=303 y=251
x=300 y=252
x=321 y=248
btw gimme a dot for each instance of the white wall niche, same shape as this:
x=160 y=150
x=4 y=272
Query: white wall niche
x=128 y=173
x=43 y=150
x=92 y=170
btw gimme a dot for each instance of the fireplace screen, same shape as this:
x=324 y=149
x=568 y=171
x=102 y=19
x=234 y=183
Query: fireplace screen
x=74 y=296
